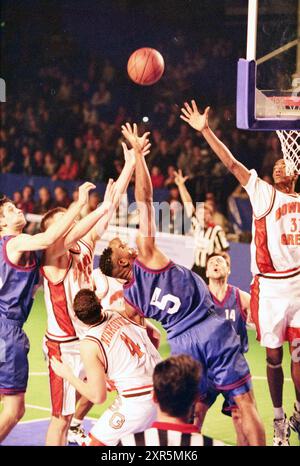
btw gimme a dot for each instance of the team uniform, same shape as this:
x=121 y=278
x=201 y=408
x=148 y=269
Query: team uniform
x=165 y=434
x=64 y=329
x=110 y=291
x=179 y=299
x=17 y=287
x=130 y=359
x=230 y=308
x=275 y=263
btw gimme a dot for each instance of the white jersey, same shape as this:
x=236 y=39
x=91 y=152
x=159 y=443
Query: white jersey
x=63 y=325
x=129 y=355
x=275 y=229
x=110 y=291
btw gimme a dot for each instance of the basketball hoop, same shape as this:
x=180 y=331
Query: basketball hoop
x=290 y=146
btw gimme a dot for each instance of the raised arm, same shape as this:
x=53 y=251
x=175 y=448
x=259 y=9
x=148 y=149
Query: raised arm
x=143 y=191
x=199 y=122
x=84 y=226
x=44 y=240
x=185 y=195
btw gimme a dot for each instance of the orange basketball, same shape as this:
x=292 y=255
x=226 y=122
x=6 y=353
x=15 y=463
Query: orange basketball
x=145 y=66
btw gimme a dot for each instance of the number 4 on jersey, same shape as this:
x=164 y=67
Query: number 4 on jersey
x=162 y=304
x=133 y=347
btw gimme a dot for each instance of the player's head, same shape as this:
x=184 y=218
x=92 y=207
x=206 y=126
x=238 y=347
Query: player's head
x=87 y=307
x=279 y=173
x=176 y=385
x=218 y=266
x=11 y=218
x=51 y=216
x=116 y=260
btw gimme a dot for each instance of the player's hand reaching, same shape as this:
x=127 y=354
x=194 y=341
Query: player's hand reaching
x=191 y=114
x=61 y=369
x=139 y=143
x=179 y=178
x=83 y=192
x=129 y=154
x=110 y=194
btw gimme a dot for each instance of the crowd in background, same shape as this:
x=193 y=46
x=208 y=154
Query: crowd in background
x=66 y=126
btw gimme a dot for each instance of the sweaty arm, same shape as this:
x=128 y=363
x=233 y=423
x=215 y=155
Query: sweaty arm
x=121 y=186
x=199 y=121
x=94 y=389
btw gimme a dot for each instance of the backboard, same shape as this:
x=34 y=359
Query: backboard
x=268 y=84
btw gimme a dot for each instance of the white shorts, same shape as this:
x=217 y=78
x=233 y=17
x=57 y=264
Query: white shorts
x=275 y=308
x=62 y=393
x=125 y=416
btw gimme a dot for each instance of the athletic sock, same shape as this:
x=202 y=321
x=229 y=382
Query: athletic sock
x=76 y=422
x=278 y=413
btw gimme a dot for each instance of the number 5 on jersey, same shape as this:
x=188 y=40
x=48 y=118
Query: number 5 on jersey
x=162 y=304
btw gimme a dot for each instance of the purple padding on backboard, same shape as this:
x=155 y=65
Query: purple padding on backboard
x=245 y=103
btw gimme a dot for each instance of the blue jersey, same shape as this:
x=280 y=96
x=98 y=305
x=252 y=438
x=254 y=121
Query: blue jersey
x=174 y=296
x=231 y=309
x=17 y=284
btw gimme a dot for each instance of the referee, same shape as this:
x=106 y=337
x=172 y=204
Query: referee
x=209 y=238
x=175 y=390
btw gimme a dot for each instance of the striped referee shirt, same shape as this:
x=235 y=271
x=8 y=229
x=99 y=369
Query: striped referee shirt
x=207 y=241
x=164 y=434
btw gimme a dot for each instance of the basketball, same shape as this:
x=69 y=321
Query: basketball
x=145 y=66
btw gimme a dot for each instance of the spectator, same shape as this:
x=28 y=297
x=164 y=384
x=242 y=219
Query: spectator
x=94 y=172
x=28 y=203
x=50 y=165
x=61 y=198
x=171 y=175
x=175 y=390
x=69 y=170
x=157 y=177
x=17 y=199
x=6 y=165
x=26 y=162
x=38 y=163
x=44 y=202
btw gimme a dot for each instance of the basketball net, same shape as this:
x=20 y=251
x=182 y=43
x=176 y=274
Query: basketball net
x=290 y=146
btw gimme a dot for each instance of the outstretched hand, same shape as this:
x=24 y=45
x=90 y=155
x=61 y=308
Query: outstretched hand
x=129 y=154
x=83 y=192
x=179 y=178
x=110 y=194
x=138 y=143
x=191 y=114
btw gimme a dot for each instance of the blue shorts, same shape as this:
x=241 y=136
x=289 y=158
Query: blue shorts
x=215 y=344
x=229 y=403
x=14 y=347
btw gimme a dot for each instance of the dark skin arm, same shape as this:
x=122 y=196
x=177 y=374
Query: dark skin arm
x=149 y=253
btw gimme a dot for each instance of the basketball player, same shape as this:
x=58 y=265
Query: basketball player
x=275 y=264
x=232 y=304
x=110 y=293
x=19 y=276
x=119 y=349
x=175 y=390
x=180 y=301
x=67 y=267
